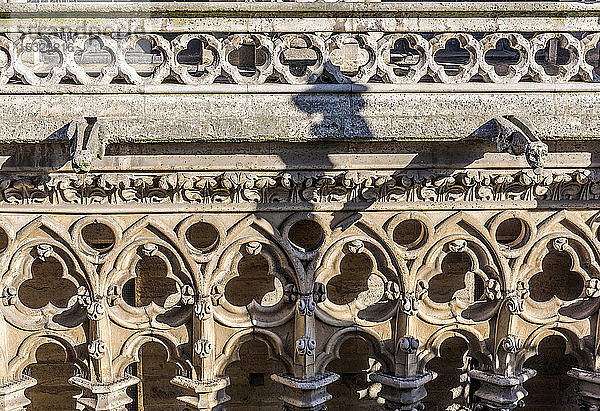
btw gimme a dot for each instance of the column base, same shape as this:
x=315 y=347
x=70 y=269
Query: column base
x=104 y=396
x=589 y=387
x=403 y=393
x=12 y=393
x=500 y=393
x=208 y=395
x=305 y=394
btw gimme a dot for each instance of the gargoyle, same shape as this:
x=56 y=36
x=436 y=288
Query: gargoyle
x=87 y=143
x=518 y=137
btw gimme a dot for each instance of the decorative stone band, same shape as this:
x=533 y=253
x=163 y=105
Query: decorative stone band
x=510 y=188
x=297 y=58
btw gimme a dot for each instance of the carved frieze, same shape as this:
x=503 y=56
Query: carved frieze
x=303 y=187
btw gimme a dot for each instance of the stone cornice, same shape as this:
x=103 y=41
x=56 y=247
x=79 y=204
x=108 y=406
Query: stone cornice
x=160 y=17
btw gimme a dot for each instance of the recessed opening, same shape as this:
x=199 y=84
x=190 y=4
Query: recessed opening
x=253 y=282
x=512 y=232
x=552 y=388
x=403 y=56
x=47 y=285
x=552 y=57
x=355 y=270
x=41 y=55
x=256 y=379
x=556 y=279
x=93 y=57
x=306 y=234
x=251 y=387
x=3 y=240
x=592 y=57
x=52 y=370
x=452 y=389
x=452 y=57
x=202 y=236
x=502 y=57
x=4 y=58
x=456 y=280
x=144 y=57
x=98 y=236
x=154 y=392
x=354 y=390
x=409 y=233
x=247 y=58
x=195 y=58
x=299 y=56
x=151 y=283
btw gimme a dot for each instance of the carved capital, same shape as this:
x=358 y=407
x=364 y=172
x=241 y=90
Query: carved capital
x=408 y=344
x=187 y=295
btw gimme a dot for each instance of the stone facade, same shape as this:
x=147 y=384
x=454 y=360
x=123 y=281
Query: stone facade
x=257 y=206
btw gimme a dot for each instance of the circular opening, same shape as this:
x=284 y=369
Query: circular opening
x=202 y=236
x=409 y=233
x=512 y=232
x=98 y=236
x=3 y=240
x=306 y=234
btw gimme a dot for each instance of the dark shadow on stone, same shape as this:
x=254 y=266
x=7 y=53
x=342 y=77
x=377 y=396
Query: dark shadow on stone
x=72 y=317
x=52 y=153
x=481 y=310
x=175 y=316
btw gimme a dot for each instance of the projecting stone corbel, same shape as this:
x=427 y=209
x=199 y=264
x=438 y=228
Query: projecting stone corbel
x=86 y=135
x=518 y=137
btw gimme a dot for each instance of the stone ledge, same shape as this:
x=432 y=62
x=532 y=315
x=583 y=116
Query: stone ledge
x=300 y=17
x=160 y=118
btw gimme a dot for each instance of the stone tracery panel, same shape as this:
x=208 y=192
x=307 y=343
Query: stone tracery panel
x=300 y=58
x=325 y=278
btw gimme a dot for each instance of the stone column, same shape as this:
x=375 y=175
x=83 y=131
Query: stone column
x=306 y=389
x=405 y=390
x=12 y=393
x=103 y=390
x=589 y=388
x=207 y=389
x=503 y=390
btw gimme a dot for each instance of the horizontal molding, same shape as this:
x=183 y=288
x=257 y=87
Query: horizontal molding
x=303 y=190
x=293 y=89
